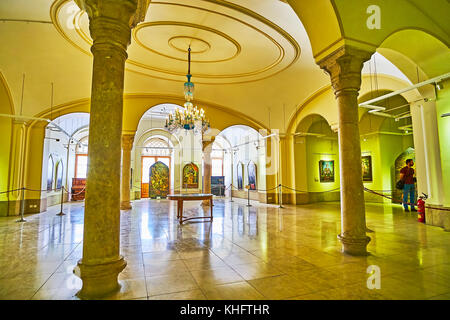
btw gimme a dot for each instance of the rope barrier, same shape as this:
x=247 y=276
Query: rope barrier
x=401 y=202
x=75 y=194
x=231 y=186
x=37 y=190
x=300 y=191
x=3 y=192
x=28 y=189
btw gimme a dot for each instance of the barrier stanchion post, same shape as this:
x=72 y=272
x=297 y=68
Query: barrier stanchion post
x=280 y=196
x=248 y=198
x=61 y=213
x=231 y=192
x=22 y=206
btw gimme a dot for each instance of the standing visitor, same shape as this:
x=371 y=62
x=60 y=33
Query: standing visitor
x=407 y=175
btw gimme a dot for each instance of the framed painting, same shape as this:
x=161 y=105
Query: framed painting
x=190 y=176
x=366 y=164
x=240 y=175
x=158 y=180
x=251 y=169
x=326 y=170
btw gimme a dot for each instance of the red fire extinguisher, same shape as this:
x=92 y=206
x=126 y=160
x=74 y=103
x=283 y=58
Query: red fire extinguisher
x=421 y=208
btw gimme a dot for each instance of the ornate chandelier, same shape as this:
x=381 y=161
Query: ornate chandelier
x=190 y=118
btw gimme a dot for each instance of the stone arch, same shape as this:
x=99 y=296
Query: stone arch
x=323 y=103
x=320 y=13
x=220 y=117
x=422 y=61
x=140 y=141
x=315 y=142
x=6 y=156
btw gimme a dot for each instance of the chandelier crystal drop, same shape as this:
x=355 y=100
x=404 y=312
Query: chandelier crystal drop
x=190 y=117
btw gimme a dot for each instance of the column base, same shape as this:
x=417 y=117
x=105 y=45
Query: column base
x=354 y=246
x=125 y=205
x=99 y=280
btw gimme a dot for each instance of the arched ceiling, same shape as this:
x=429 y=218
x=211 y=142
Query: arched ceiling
x=248 y=55
x=253 y=56
x=217 y=31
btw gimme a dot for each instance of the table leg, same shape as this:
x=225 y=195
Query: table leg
x=211 y=205
x=181 y=211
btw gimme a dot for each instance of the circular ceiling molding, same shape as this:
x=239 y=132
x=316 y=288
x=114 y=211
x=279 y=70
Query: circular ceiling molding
x=248 y=47
x=229 y=47
x=183 y=43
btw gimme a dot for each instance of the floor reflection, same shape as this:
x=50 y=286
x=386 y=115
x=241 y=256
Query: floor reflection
x=256 y=252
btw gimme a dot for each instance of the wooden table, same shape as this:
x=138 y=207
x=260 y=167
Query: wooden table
x=190 y=197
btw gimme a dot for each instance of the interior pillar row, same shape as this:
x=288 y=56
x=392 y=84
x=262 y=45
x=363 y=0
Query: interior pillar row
x=344 y=67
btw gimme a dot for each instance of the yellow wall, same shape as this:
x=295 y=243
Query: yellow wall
x=443 y=106
x=6 y=107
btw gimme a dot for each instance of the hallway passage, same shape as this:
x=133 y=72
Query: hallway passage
x=257 y=252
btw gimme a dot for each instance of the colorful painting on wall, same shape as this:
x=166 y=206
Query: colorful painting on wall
x=366 y=164
x=159 y=180
x=190 y=176
x=251 y=168
x=240 y=174
x=326 y=170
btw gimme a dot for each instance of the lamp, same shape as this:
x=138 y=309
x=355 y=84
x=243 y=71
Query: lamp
x=190 y=118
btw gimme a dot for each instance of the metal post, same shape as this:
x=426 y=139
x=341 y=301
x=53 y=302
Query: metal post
x=280 y=196
x=61 y=213
x=248 y=198
x=231 y=192
x=22 y=206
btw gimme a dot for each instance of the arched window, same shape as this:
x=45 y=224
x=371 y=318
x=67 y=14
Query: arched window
x=157 y=147
x=81 y=158
x=59 y=174
x=251 y=170
x=50 y=169
x=217 y=160
x=240 y=175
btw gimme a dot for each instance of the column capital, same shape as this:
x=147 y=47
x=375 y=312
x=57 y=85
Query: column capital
x=130 y=12
x=127 y=141
x=344 y=67
x=207 y=145
x=112 y=20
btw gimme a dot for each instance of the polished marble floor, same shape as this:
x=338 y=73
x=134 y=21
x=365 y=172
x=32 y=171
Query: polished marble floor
x=257 y=252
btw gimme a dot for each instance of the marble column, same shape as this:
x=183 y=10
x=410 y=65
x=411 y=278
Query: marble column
x=127 y=145
x=207 y=169
x=344 y=67
x=110 y=24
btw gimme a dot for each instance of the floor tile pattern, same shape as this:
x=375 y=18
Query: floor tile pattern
x=257 y=252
